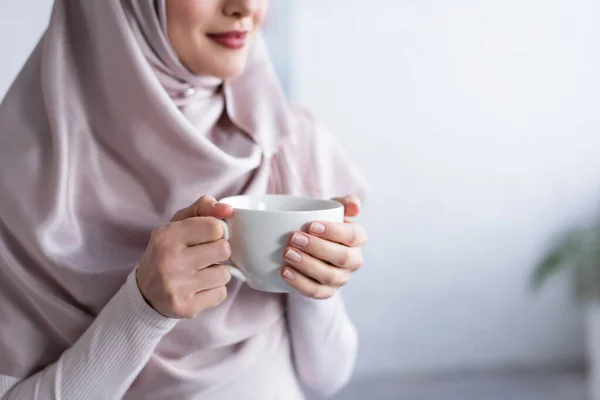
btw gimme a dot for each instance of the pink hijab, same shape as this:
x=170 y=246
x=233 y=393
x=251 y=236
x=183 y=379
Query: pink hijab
x=99 y=144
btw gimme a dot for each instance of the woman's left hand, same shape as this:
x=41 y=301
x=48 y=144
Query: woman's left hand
x=323 y=259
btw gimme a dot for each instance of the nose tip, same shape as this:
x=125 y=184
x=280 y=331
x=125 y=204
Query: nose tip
x=240 y=8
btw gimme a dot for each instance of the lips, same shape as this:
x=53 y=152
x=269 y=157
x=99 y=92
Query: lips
x=231 y=40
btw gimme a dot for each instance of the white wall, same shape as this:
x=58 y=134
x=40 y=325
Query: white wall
x=277 y=34
x=21 y=25
x=477 y=123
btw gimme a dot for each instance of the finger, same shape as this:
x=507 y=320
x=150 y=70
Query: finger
x=204 y=255
x=351 y=204
x=207 y=278
x=318 y=270
x=347 y=233
x=305 y=285
x=205 y=206
x=334 y=253
x=193 y=231
x=206 y=299
x=208 y=206
x=211 y=277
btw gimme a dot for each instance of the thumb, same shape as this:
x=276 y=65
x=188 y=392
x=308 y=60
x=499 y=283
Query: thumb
x=205 y=206
x=351 y=204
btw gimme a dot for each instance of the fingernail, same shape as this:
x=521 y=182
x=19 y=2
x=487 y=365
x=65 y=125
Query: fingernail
x=317 y=227
x=299 y=239
x=289 y=275
x=293 y=255
x=221 y=205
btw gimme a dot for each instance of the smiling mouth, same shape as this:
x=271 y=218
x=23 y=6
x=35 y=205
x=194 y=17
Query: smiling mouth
x=232 y=40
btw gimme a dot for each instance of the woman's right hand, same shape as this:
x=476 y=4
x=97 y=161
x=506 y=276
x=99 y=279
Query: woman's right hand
x=177 y=274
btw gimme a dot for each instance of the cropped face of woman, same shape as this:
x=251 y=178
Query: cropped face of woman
x=213 y=37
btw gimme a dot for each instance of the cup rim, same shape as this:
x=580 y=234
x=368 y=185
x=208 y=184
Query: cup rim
x=327 y=205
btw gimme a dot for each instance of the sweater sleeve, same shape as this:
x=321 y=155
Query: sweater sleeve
x=324 y=342
x=105 y=360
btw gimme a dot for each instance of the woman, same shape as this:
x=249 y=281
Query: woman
x=126 y=112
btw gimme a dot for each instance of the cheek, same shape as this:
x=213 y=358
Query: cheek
x=261 y=15
x=189 y=12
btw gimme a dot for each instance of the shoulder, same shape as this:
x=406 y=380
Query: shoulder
x=306 y=128
x=326 y=166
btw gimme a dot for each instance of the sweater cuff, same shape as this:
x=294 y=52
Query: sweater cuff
x=316 y=305
x=142 y=309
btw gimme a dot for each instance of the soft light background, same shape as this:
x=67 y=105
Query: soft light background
x=477 y=123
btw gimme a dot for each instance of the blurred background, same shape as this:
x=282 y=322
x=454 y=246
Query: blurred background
x=478 y=125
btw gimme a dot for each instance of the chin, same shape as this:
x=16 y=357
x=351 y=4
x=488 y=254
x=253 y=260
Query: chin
x=231 y=68
x=230 y=72
x=224 y=68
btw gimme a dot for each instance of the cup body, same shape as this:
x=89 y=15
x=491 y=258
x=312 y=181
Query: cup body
x=260 y=228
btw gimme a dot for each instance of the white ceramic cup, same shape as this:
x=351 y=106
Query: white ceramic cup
x=259 y=231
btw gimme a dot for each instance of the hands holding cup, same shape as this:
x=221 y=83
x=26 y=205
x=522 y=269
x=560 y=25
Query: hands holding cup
x=183 y=273
x=322 y=259
x=179 y=275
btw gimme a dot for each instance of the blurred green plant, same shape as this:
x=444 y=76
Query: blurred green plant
x=579 y=250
